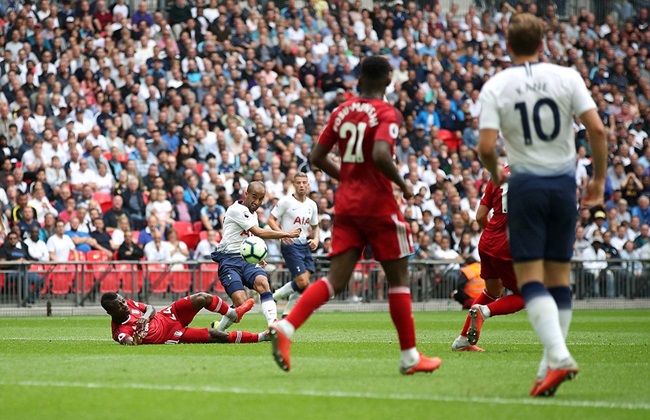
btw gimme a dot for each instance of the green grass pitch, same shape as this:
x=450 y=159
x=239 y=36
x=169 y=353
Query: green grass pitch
x=344 y=367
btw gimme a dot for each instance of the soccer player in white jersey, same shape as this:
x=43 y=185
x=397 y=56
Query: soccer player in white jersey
x=533 y=104
x=296 y=211
x=240 y=222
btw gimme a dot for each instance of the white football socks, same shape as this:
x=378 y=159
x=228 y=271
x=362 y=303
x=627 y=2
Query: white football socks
x=270 y=311
x=544 y=317
x=283 y=292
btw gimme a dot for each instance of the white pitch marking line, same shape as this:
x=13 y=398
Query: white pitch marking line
x=340 y=394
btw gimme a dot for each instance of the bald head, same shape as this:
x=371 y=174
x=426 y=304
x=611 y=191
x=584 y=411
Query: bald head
x=256 y=187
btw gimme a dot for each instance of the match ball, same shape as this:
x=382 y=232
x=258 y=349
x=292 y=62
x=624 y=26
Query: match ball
x=253 y=250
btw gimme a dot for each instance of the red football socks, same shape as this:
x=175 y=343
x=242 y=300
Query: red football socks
x=242 y=337
x=399 y=302
x=315 y=296
x=218 y=305
x=506 y=305
x=482 y=299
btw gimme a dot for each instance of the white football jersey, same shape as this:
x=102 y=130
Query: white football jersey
x=293 y=214
x=236 y=223
x=533 y=106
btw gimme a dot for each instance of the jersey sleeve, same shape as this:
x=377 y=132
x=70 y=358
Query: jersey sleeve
x=279 y=209
x=328 y=137
x=489 y=118
x=242 y=216
x=487 y=197
x=388 y=128
x=314 y=213
x=582 y=100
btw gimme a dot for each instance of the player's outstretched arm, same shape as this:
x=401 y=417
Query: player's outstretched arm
x=273 y=223
x=383 y=158
x=598 y=142
x=319 y=156
x=272 y=234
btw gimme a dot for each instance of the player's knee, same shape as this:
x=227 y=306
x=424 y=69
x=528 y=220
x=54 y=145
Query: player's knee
x=202 y=298
x=261 y=284
x=303 y=280
x=217 y=336
x=238 y=298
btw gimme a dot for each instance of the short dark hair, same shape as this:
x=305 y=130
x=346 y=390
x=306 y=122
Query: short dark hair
x=375 y=68
x=108 y=299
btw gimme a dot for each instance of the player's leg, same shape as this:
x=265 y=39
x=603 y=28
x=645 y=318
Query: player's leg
x=212 y=335
x=493 y=289
x=560 y=232
x=301 y=281
x=230 y=277
x=290 y=254
x=390 y=239
x=186 y=312
x=316 y=295
x=269 y=307
x=399 y=302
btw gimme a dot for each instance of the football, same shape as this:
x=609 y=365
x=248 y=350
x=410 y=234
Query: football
x=253 y=250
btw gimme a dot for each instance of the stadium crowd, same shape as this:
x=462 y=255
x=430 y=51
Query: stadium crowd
x=131 y=131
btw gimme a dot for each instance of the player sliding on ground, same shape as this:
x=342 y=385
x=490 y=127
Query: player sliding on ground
x=496 y=269
x=239 y=222
x=135 y=323
x=296 y=211
x=365 y=130
x=533 y=104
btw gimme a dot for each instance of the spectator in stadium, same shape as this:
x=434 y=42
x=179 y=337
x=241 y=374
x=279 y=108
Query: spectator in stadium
x=112 y=216
x=207 y=246
x=212 y=215
x=36 y=247
x=123 y=226
x=27 y=222
x=157 y=249
x=178 y=250
x=182 y=211
x=146 y=235
x=103 y=239
x=60 y=245
x=32 y=283
x=134 y=205
x=129 y=250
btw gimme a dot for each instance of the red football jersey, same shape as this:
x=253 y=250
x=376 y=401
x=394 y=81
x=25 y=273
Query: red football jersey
x=494 y=240
x=355 y=126
x=163 y=328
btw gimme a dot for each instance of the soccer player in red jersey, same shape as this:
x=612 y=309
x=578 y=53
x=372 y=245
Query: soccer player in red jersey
x=496 y=268
x=135 y=323
x=365 y=130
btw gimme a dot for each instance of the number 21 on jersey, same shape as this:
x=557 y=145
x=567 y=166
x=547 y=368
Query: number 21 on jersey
x=354 y=149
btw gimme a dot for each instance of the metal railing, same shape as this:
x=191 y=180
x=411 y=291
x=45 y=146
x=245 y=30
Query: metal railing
x=82 y=283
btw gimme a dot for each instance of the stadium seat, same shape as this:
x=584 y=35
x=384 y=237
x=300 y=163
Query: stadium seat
x=181 y=281
x=94 y=272
x=130 y=276
x=104 y=200
x=61 y=279
x=208 y=276
x=136 y=235
x=159 y=278
x=203 y=235
x=111 y=282
x=2 y=281
x=197 y=226
x=191 y=239
x=449 y=138
x=182 y=227
x=199 y=168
